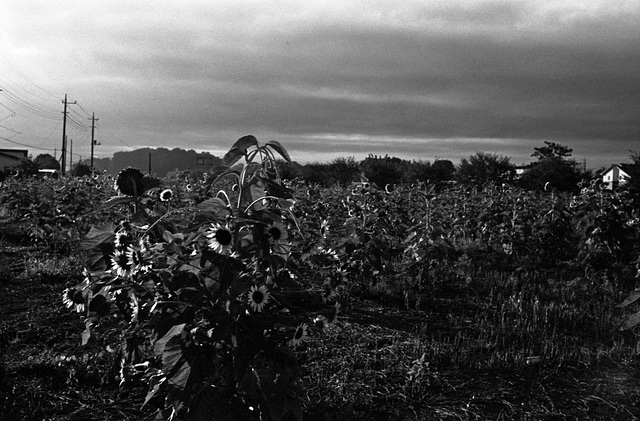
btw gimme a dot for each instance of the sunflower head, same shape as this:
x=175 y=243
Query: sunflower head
x=276 y=232
x=259 y=297
x=220 y=238
x=129 y=181
x=132 y=182
x=300 y=335
x=166 y=195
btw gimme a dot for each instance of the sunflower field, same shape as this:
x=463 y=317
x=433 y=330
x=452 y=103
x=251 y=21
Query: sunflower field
x=242 y=295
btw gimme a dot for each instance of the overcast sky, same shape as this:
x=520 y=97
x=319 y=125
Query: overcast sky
x=414 y=79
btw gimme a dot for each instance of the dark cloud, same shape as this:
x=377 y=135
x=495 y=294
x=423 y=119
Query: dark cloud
x=443 y=78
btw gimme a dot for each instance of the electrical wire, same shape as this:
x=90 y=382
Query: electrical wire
x=15 y=69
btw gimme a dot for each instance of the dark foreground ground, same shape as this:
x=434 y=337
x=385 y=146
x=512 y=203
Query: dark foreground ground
x=364 y=369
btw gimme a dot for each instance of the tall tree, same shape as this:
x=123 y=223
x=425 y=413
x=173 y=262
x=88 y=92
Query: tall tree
x=552 y=150
x=552 y=169
x=384 y=170
x=484 y=168
x=46 y=161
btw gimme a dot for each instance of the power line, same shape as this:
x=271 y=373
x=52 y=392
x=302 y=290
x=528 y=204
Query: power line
x=15 y=69
x=32 y=108
x=24 y=144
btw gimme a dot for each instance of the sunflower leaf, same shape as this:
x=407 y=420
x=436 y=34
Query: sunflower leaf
x=633 y=297
x=276 y=146
x=115 y=201
x=239 y=149
x=98 y=234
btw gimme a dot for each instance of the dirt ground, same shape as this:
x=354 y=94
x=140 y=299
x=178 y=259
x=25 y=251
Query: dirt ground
x=46 y=375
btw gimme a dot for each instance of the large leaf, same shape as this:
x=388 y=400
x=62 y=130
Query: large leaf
x=160 y=344
x=213 y=205
x=115 y=201
x=239 y=149
x=174 y=364
x=98 y=234
x=277 y=190
x=276 y=146
x=633 y=297
x=631 y=321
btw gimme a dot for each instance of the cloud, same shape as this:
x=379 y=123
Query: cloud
x=453 y=75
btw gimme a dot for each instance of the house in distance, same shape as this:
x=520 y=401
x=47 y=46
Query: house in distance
x=615 y=176
x=9 y=159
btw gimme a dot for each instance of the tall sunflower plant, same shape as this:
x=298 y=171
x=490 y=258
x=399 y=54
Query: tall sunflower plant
x=211 y=302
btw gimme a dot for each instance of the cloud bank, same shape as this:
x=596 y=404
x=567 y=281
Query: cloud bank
x=416 y=79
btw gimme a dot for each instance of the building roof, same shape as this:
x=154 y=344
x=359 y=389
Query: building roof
x=11 y=153
x=625 y=168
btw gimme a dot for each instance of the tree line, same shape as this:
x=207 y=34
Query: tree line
x=553 y=168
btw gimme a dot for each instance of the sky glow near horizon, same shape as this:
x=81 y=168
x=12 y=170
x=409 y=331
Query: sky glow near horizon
x=416 y=79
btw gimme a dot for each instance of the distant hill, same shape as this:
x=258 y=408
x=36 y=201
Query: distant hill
x=162 y=161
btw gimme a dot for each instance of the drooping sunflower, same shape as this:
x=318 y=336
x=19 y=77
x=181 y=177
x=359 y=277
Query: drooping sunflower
x=299 y=336
x=220 y=238
x=258 y=297
x=129 y=182
x=166 y=195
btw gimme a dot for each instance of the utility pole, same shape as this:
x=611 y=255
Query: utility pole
x=64 y=133
x=71 y=155
x=93 y=140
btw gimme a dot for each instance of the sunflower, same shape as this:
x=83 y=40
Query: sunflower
x=188 y=187
x=166 y=195
x=123 y=239
x=134 y=305
x=258 y=297
x=276 y=232
x=136 y=261
x=73 y=298
x=220 y=238
x=129 y=182
x=120 y=264
x=299 y=336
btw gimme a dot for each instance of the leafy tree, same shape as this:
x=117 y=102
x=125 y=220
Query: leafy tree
x=80 y=169
x=418 y=172
x=484 y=168
x=383 y=171
x=552 y=169
x=46 y=161
x=634 y=171
x=552 y=150
x=316 y=173
x=288 y=170
x=27 y=167
x=343 y=170
x=443 y=170
x=552 y=172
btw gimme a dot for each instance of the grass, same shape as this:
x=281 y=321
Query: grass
x=486 y=344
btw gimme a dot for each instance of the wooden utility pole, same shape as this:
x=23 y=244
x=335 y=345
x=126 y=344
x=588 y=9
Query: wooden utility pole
x=93 y=140
x=64 y=133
